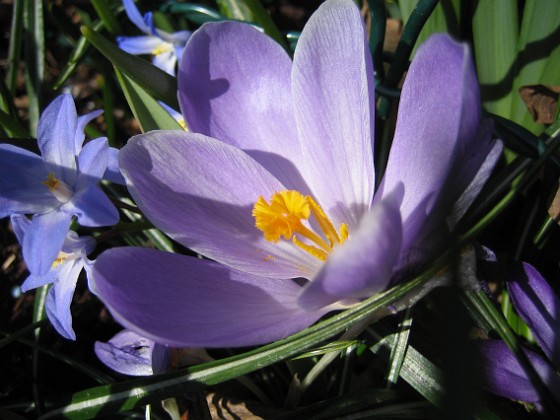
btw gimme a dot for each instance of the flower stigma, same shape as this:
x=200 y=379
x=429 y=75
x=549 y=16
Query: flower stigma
x=282 y=217
x=58 y=188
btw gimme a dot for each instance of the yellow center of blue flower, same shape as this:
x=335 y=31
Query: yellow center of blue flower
x=162 y=48
x=282 y=217
x=61 y=257
x=58 y=188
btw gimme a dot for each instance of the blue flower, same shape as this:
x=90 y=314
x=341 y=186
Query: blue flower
x=165 y=47
x=62 y=274
x=58 y=185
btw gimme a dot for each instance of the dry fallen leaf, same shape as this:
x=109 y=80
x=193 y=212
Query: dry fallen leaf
x=541 y=100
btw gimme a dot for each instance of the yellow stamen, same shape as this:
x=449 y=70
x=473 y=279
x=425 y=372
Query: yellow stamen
x=61 y=257
x=160 y=49
x=52 y=182
x=283 y=216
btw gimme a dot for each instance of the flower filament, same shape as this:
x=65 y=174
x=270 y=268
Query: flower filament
x=283 y=215
x=58 y=188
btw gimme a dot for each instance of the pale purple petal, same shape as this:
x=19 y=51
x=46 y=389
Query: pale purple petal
x=92 y=162
x=92 y=207
x=84 y=120
x=362 y=266
x=539 y=306
x=437 y=123
x=44 y=240
x=334 y=102
x=137 y=45
x=129 y=353
x=55 y=136
x=239 y=92
x=59 y=297
x=201 y=192
x=503 y=375
x=135 y=16
x=22 y=174
x=187 y=302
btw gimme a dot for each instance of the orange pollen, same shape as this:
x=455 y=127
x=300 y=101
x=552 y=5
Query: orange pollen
x=282 y=216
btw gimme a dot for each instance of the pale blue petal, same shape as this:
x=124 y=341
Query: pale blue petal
x=92 y=207
x=92 y=163
x=82 y=122
x=55 y=136
x=166 y=61
x=44 y=240
x=113 y=173
x=139 y=44
x=135 y=16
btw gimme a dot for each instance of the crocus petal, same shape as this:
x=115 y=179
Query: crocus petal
x=44 y=240
x=187 y=302
x=128 y=353
x=334 y=102
x=538 y=305
x=59 y=298
x=201 y=192
x=239 y=92
x=84 y=120
x=22 y=174
x=92 y=207
x=55 y=136
x=113 y=173
x=135 y=16
x=503 y=375
x=438 y=117
x=139 y=44
x=363 y=265
x=166 y=61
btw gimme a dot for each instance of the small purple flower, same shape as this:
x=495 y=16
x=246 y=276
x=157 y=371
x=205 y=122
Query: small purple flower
x=165 y=47
x=539 y=307
x=63 y=274
x=130 y=354
x=276 y=182
x=57 y=185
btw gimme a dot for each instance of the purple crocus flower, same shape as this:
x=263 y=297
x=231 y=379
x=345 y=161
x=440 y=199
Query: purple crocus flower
x=131 y=354
x=63 y=274
x=58 y=185
x=276 y=182
x=165 y=47
x=539 y=307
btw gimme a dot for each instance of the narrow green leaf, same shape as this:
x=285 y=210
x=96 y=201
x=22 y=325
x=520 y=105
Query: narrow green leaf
x=539 y=39
x=13 y=127
x=251 y=11
x=149 y=114
x=34 y=58
x=495 y=36
x=193 y=12
x=156 y=82
x=399 y=348
x=107 y=16
x=16 y=41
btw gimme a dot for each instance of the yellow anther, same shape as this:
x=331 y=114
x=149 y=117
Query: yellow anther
x=61 y=257
x=283 y=215
x=52 y=182
x=162 y=48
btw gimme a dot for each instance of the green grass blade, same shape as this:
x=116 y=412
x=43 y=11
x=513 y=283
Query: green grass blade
x=34 y=58
x=156 y=82
x=149 y=114
x=107 y=16
x=12 y=126
x=16 y=41
x=495 y=36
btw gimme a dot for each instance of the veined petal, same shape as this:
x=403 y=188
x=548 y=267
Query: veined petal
x=80 y=135
x=145 y=44
x=44 y=240
x=539 y=306
x=239 y=92
x=92 y=207
x=59 y=297
x=135 y=16
x=128 y=353
x=438 y=119
x=92 y=162
x=503 y=375
x=113 y=173
x=201 y=192
x=187 y=302
x=334 y=102
x=362 y=266
x=56 y=138
x=22 y=174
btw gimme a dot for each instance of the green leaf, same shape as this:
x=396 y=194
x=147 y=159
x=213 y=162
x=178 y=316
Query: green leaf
x=34 y=58
x=539 y=39
x=149 y=114
x=107 y=16
x=193 y=12
x=156 y=82
x=495 y=36
x=13 y=127
x=251 y=11
x=16 y=41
